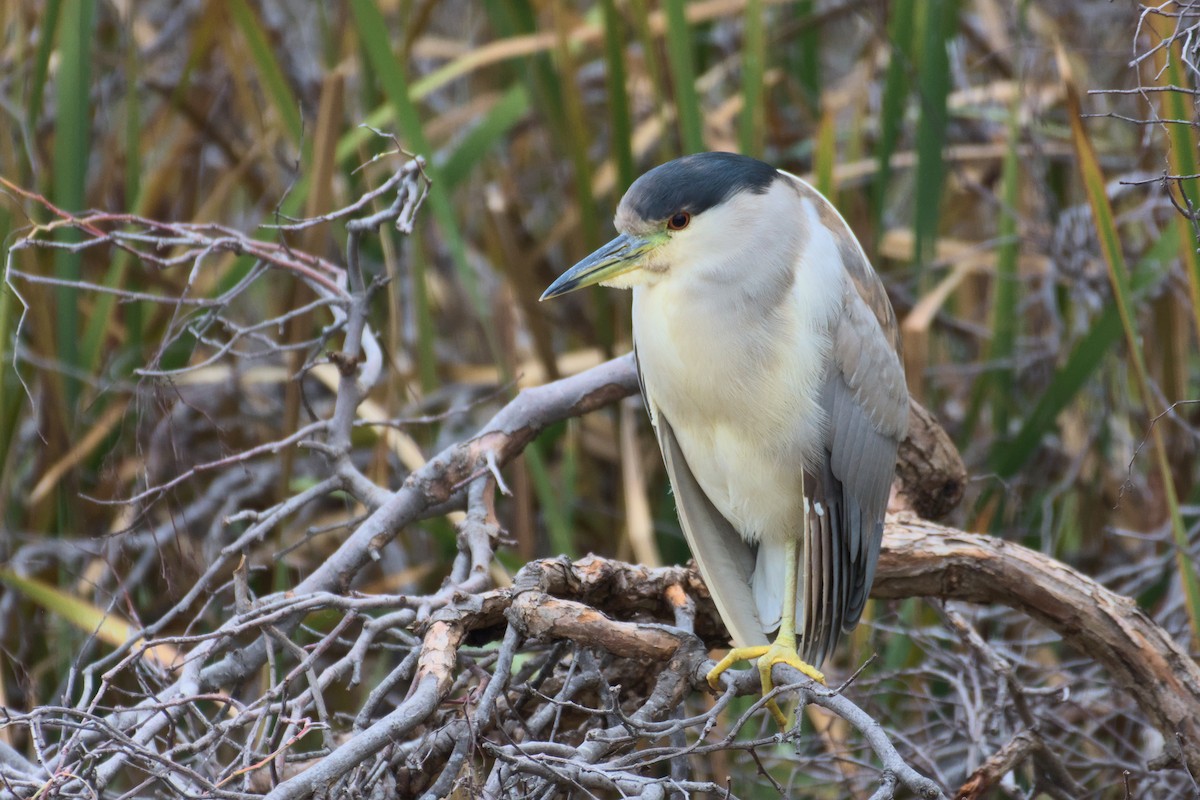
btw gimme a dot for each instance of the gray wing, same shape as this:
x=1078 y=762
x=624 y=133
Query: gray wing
x=726 y=561
x=866 y=401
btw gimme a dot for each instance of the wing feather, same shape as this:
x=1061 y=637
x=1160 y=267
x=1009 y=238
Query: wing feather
x=865 y=400
x=867 y=403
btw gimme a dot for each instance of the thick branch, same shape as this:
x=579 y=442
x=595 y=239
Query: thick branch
x=930 y=472
x=558 y=599
x=924 y=559
x=540 y=615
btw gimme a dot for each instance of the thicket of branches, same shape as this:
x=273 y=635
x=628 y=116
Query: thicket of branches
x=276 y=509
x=611 y=656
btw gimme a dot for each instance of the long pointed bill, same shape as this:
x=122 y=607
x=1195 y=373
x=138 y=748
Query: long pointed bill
x=623 y=254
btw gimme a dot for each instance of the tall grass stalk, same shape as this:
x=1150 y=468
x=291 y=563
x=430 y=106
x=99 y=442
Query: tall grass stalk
x=619 y=116
x=895 y=95
x=1182 y=160
x=683 y=73
x=934 y=22
x=72 y=146
x=1118 y=273
x=286 y=104
x=1005 y=306
x=393 y=77
x=754 y=57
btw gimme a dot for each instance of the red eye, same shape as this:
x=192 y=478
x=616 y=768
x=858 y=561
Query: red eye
x=679 y=221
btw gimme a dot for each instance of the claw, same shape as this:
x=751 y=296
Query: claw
x=783 y=654
x=732 y=657
x=768 y=656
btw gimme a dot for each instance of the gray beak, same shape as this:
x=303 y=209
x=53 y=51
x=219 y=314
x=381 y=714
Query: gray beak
x=623 y=254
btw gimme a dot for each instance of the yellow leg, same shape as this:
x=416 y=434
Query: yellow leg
x=784 y=648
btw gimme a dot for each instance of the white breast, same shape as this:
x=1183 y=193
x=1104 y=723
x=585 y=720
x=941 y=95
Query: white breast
x=741 y=388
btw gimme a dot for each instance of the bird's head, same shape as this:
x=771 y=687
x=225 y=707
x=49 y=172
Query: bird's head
x=688 y=211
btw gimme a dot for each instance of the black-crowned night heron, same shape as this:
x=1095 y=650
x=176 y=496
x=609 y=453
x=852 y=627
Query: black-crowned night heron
x=768 y=357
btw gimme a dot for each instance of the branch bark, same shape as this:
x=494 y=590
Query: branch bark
x=1003 y=761
x=559 y=600
x=923 y=559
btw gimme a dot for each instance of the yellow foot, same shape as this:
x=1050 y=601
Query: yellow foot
x=768 y=656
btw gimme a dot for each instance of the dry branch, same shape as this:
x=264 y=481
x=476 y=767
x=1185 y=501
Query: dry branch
x=922 y=559
x=632 y=613
x=1000 y=764
x=599 y=707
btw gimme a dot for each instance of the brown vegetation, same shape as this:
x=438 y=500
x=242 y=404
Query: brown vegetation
x=296 y=474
